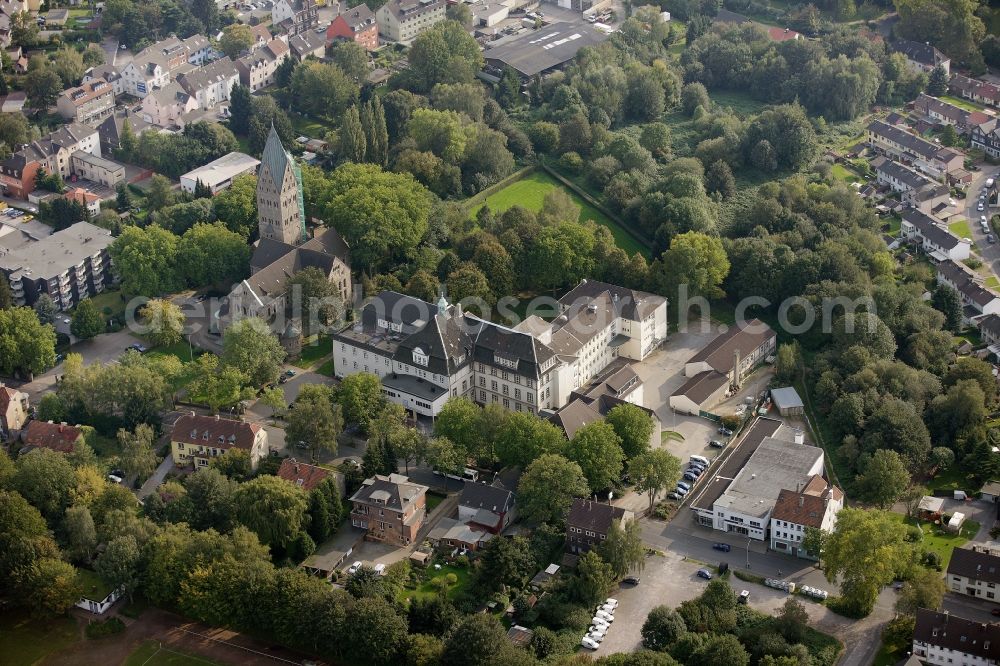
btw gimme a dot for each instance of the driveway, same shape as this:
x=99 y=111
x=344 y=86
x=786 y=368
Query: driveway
x=153 y=482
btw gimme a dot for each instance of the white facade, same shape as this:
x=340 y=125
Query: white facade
x=139 y=80
x=101 y=606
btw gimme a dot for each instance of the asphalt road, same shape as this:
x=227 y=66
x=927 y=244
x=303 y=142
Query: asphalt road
x=990 y=252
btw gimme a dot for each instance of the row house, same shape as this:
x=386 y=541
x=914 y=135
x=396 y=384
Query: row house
x=90 y=102
x=52 y=152
x=356 y=24
x=109 y=74
x=982 y=92
x=934 y=239
x=986 y=137
x=945 y=113
x=402 y=20
x=926 y=156
x=944 y=639
x=916 y=190
x=69 y=265
x=257 y=69
x=975 y=574
x=167 y=106
x=427 y=354
x=154 y=66
x=976 y=299
x=309 y=44
x=210 y=84
x=390 y=509
x=921 y=56
x=294 y=17
x=196 y=439
x=815 y=505
x=97 y=169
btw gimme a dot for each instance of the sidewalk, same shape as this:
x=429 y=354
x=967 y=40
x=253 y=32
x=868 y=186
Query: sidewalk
x=157 y=478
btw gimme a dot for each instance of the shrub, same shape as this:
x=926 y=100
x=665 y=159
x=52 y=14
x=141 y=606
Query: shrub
x=914 y=534
x=102 y=628
x=571 y=162
x=932 y=559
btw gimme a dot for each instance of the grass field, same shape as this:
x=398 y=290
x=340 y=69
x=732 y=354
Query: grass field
x=955 y=479
x=842 y=173
x=313 y=129
x=314 y=348
x=151 y=653
x=960 y=228
x=326 y=368
x=741 y=103
x=937 y=541
x=529 y=192
x=992 y=282
x=110 y=305
x=428 y=589
x=25 y=641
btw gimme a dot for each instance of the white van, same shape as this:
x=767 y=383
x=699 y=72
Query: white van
x=699 y=459
x=989 y=182
x=469 y=474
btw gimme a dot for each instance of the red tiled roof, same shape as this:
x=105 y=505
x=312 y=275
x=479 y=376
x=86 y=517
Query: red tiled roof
x=782 y=34
x=214 y=431
x=808 y=506
x=304 y=476
x=56 y=436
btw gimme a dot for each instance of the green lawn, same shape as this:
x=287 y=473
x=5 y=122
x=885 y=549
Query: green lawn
x=110 y=305
x=960 y=228
x=151 y=653
x=326 y=369
x=530 y=191
x=314 y=348
x=25 y=641
x=428 y=590
x=961 y=103
x=895 y=222
x=955 y=479
x=842 y=173
x=938 y=541
x=182 y=350
x=992 y=282
x=433 y=499
x=309 y=127
x=94 y=587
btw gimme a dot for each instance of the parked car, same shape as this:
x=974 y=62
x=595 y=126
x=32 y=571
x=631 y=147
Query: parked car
x=688 y=476
x=744 y=597
x=136 y=346
x=724 y=547
x=597 y=638
x=696 y=470
x=700 y=460
x=995 y=611
x=601 y=629
x=680 y=491
x=353 y=569
x=726 y=432
x=716 y=444
x=380 y=569
x=611 y=601
x=599 y=622
x=589 y=643
x=114 y=478
x=705 y=573
x=685 y=486
x=631 y=580
x=980 y=206
x=991 y=238
x=672 y=495
x=607 y=608
x=605 y=615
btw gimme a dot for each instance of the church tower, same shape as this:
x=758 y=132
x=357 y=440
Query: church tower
x=280 y=210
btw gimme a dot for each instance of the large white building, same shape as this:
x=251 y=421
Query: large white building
x=742 y=493
x=218 y=174
x=426 y=354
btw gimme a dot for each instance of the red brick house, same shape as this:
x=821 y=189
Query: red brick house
x=17 y=174
x=390 y=509
x=356 y=24
x=48 y=435
x=307 y=476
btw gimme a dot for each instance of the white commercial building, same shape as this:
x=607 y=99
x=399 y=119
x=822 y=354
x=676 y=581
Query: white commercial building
x=219 y=174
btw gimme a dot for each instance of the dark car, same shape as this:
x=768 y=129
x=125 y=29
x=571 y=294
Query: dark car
x=136 y=346
x=631 y=580
x=705 y=573
x=688 y=476
x=716 y=444
x=724 y=547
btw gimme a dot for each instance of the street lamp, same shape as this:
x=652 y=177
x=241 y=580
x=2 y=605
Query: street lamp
x=748 y=552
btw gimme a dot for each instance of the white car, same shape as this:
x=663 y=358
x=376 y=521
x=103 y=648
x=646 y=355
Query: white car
x=599 y=629
x=611 y=601
x=606 y=615
x=353 y=569
x=599 y=622
x=607 y=608
x=589 y=643
x=380 y=569
x=597 y=638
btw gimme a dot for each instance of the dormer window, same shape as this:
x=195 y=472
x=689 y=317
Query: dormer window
x=204 y=436
x=194 y=434
x=419 y=357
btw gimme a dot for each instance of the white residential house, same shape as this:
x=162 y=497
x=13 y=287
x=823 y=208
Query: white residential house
x=815 y=505
x=167 y=106
x=977 y=300
x=402 y=20
x=945 y=639
x=975 y=574
x=211 y=84
x=934 y=239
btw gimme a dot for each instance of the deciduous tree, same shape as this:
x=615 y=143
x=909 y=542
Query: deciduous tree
x=251 y=347
x=548 y=487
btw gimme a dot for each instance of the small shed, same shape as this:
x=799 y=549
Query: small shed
x=544 y=576
x=991 y=491
x=787 y=401
x=930 y=507
x=420 y=558
x=520 y=636
x=956 y=521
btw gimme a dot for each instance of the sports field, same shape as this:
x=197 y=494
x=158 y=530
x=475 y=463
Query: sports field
x=530 y=191
x=152 y=653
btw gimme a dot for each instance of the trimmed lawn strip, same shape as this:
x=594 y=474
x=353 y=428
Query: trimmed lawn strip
x=961 y=103
x=428 y=590
x=960 y=228
x=955 y=478
x=314 y=348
